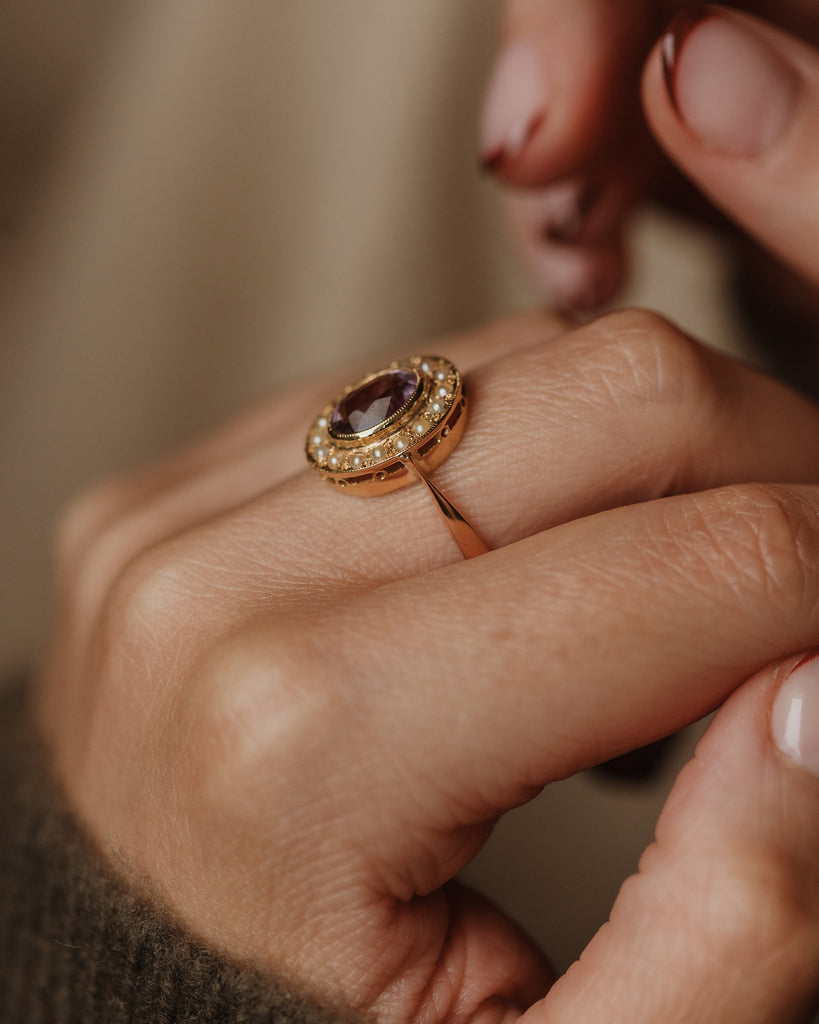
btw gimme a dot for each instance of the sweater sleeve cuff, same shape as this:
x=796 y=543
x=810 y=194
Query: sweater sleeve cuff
x=76 y=945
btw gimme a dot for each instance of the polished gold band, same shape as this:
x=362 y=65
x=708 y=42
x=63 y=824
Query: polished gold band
x=392 y=427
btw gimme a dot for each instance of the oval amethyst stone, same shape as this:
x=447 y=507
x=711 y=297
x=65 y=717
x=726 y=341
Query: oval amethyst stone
x=374 y=403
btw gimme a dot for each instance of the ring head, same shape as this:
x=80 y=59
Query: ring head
x=415 y=409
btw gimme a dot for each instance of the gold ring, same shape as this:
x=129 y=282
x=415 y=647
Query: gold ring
x=392 y=427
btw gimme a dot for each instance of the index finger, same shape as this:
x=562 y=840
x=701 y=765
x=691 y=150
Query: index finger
x=564 y=85
x=488 y=679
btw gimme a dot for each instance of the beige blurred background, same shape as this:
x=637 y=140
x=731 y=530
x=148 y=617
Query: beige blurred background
x=203 y=200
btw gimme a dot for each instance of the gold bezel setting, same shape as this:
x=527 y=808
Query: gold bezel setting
x=426 y=429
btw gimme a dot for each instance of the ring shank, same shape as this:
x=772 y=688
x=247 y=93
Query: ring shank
x=466 y=537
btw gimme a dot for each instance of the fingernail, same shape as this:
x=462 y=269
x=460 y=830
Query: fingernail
x=729 y=85
x=795 y=718
x=514 y=107
x=565 y=211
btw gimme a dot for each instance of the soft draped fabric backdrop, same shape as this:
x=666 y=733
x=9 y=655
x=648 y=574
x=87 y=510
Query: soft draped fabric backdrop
x=205 y=199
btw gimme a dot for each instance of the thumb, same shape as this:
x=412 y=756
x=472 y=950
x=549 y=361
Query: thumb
x=735 y=104
x=722 y=920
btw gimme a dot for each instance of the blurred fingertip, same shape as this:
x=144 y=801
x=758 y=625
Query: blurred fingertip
x=498 y=157
x=565 y=219
x=514 y=107
x=580 y=280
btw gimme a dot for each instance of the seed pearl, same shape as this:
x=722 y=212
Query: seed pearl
x=322 y=422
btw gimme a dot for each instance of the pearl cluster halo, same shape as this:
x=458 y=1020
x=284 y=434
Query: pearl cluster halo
x=413 y=409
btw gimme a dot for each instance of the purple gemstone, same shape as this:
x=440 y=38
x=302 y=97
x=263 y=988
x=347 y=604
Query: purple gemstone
x=375 y=402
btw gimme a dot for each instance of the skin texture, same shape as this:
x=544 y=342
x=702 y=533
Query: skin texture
x=244 y=721
x=245 y=698
x=598 y=136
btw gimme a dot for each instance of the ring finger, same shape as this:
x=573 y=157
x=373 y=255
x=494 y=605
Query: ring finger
x=621 y=411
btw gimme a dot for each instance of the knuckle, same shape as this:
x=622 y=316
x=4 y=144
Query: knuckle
x=152 y=608
x=767 y=535
x=642 y=356
x=746 y=902
x=80 y=523
x=264 y=717
x=755 y=910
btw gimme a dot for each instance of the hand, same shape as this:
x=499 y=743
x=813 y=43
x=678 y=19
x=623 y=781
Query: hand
x=296 y=714
x=563 y=118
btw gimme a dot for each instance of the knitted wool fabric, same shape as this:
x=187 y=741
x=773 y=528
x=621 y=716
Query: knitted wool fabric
x=76 y=947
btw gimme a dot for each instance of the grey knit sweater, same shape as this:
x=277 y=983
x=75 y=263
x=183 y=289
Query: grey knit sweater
x=76 y=947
